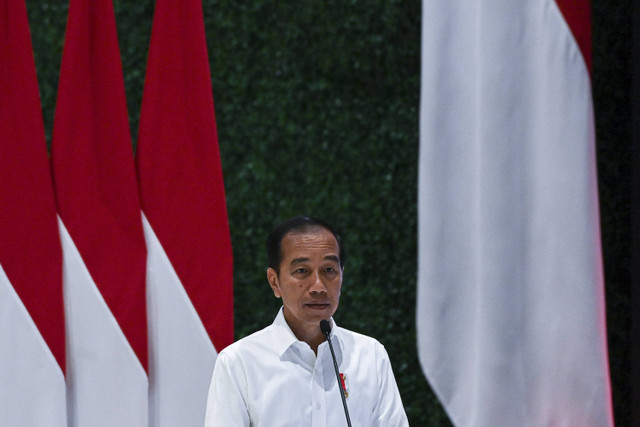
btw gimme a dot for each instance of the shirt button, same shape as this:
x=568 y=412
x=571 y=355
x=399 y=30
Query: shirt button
x=318 y=406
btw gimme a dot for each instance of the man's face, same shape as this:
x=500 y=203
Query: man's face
x=310 y=278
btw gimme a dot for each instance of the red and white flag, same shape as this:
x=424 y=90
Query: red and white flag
x=32 y=354
x=189 y=277
x=510 y=312
x=100 y=227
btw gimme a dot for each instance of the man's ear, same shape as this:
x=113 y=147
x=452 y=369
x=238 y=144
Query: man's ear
x=272 y=277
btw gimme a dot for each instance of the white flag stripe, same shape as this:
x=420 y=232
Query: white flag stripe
x=107 y=385
x=510 y=297
x=36 y=379
x=180 y=379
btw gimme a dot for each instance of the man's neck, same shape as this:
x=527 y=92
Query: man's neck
x=311 y=334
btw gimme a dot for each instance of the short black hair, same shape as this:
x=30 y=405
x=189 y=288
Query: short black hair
x=297 y=224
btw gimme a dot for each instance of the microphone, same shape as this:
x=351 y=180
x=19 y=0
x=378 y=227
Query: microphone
x=325 y=327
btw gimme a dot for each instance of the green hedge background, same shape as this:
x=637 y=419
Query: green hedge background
x=317 y=110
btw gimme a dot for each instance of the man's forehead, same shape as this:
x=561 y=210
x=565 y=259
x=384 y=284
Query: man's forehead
x=310 y=242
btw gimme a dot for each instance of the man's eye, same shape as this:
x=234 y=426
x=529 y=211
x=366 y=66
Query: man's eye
x=300 y=271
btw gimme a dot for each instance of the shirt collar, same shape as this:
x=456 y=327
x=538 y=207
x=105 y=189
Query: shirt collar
x=283 y=336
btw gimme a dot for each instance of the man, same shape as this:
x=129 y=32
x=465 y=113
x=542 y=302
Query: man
x=283 y=375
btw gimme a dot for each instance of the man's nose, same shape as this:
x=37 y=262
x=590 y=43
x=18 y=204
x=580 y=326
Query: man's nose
x=318 y=285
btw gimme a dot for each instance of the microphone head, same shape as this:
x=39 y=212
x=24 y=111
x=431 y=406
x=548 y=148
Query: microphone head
x=325 y=327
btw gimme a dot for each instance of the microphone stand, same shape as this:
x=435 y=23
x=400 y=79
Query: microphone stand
x=326 y=330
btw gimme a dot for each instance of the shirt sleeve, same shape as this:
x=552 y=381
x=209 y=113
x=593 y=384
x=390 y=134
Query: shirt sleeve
x=226 y=402
x=389 y=411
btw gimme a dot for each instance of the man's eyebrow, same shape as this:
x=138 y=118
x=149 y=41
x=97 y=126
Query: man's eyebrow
x=332 y=258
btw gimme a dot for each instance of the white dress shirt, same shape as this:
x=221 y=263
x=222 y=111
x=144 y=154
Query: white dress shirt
x=271 y=379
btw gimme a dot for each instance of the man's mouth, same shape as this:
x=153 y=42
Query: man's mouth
x=317 y=305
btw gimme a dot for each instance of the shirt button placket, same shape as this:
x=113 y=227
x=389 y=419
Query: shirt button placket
x=317 y=399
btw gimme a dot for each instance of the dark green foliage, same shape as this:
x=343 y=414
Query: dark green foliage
x=611 y=91
x=317 y=112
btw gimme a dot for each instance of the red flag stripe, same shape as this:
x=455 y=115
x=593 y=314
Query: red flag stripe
x=30 y=250
x=93 y=166
x=577 y=13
